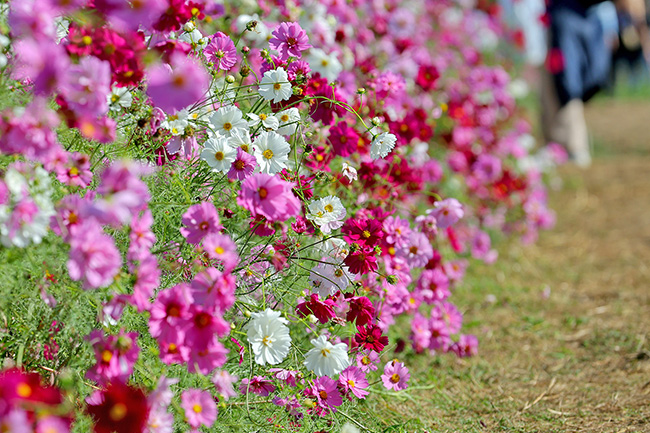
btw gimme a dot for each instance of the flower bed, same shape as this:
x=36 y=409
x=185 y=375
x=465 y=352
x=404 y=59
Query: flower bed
x=239 y=213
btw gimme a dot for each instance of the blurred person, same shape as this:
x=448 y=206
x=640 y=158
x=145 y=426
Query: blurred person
x=633 y=48
x=577 y=66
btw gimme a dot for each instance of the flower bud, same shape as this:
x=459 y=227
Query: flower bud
x=189 y=26
x=230 y=79
x=376 y=121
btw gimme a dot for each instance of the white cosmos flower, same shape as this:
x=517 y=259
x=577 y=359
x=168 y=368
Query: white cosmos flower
x=119 y=97
x=349 y=172
x=219 y=154
x=228 y=119
x=275 y=85
x=271 y=152
x=268 y=121
x=382 y=145
x=269 y=337
x=241 y=139
x=327 y=359
x=325 y=64
x=289 y=119
x=327 y=213
x=326 y=278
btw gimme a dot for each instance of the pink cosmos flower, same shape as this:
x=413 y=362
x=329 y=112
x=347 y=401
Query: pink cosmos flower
x=199 y=220
x=76 y=172
x=94 y=259
x=223 y=382
x=147 y=280
x=420 y=333
x=169 y=315
x=243 y=165
x=449 y=314
x=417 y=251
x=213 y=288
x=354 y=381
x=433 y=286
x=289 y=39
x=221 y=52
x=86 y=85
x=327 y=393
x=467 y=345
x=395 y=376
x=199 y=406
x=115 y=356
x=268 y=196
x=260 y=385
x=367 y=361
x=222 y=249
x=290 y=377
x=141 y=236
x=176 y=87
x=205 y=322
x=124 y=194
x=204 y=360
x=447 y=212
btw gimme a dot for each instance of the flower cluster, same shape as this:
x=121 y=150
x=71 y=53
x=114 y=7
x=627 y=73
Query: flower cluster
x=258 y=197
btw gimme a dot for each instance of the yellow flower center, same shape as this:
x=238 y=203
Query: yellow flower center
x=325 y=352
x=227 y=126
x=197 y=408
x=218 y=156
x=277 y=86
x=268 y=154
x=87 y=40
x=244 y=147
x=262 y=192
x=24 y=390
x=329 y=208
x=219 y=250
x=118 y=412
x=107 y=355
x=365 y=234
x=351 y=383
x=395 y=378
x=284 y=118
x=266 y=340
x=263 y=116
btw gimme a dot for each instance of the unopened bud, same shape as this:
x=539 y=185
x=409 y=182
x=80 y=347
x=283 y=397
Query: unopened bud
x=361 y=91
x=392 y=279
x=230 y=79
x=189 y=26
x=376 y=121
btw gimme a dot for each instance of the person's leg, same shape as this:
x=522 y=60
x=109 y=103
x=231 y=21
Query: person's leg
x=571 y=117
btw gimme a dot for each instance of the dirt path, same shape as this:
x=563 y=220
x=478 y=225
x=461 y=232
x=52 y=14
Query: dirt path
x=577 y=359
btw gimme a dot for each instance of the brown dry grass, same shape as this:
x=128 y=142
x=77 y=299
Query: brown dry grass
x=578 y=361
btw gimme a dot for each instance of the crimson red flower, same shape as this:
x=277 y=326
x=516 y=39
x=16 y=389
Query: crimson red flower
x=323 y=310
x=427 y=77
x=18 y=387
x=344 y=139
x=370 y=338
x=361 y=261
x=123 y=409
x=367 y=232
x=361 y=310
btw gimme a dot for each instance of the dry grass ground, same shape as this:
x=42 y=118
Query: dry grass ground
x=577 y=360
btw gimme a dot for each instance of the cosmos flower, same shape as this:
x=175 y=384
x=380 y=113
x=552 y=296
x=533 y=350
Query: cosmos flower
x=269 y=337
x=275 y=86
x=325 y=358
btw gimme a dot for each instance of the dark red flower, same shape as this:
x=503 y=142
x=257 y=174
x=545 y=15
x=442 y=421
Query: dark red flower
x=366 y=232
x=370 y=338
x=361 y=261
x=344 y=140
x=427 y=77
x=323 y=310
x=361 y=310
x=123 y=409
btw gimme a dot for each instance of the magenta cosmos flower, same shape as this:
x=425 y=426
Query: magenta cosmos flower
x=221 y=52
x=199 y=407
x=447 y=212
x=268 y=196
x=174 y=88
x=327 y=393
x=395 y=376
x=290 y=40
x=94 y=259
x=200 y=220
x=353 y=380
